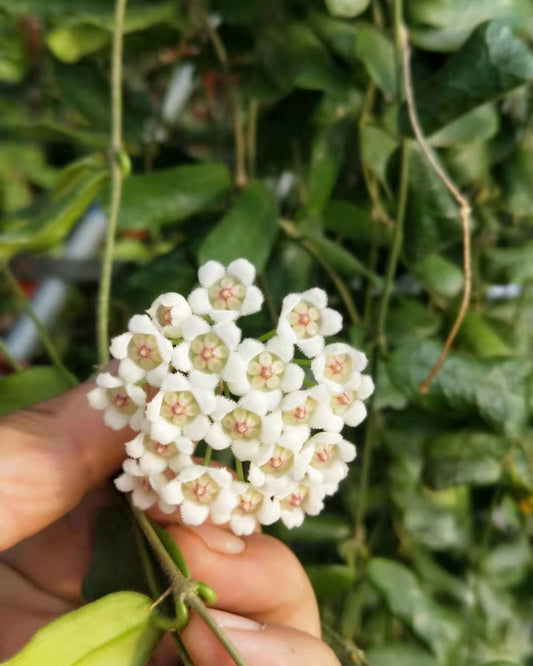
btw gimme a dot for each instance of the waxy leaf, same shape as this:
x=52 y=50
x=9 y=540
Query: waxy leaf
x=377 y=54
x=171 y=195
x=326 y=160
x=465 y=456
x=398 y=654
x=410 y=603
x=330 y=579
x=248 y=230
x=42 y=228
x=29 y=386
x=113 y=630
x=439 y=275
x=494 y=389
x=492 y=62
x=347 y=8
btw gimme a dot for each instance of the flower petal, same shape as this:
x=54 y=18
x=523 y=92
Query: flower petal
x=194 y=514
x=199 y=301
x=243 y=270
x=210 y=272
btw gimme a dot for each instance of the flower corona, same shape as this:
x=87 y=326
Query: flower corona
x=188 y=385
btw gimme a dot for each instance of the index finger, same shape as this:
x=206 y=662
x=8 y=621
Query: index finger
x=50 y=455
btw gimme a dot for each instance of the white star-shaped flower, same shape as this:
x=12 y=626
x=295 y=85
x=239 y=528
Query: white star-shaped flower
x=168 y=312
x=263 y=371
x=273 y=467
x=344 y=407
x=205 y=350
x=180 y=411
x=226 y=293
x=207 y=493
x=305 y=320
x=253 y=506
x=145 y=490
x=299 y=499
x=123 y=403
x=154 y=457
x=143 y=352
x=242 y=426
x=339 y=367
x=323 y=458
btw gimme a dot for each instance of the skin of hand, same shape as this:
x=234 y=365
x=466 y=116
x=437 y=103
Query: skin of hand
x=55 y=458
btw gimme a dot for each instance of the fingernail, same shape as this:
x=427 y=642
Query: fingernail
x=218 y=539
x=230 y=621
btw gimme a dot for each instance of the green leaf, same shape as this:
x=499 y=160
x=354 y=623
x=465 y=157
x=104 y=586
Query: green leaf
x=517 y=179
x=330 y=579
x=408 y=319
x=377 y=147
x=339 y=35
x=354 y=221
x=443 y=25
x=113 y=630
x=398 y=654
x=347 y=8
x=327 y=155
x=248 y=230
x=465 y=456
x=514 y=264
x=295 y=57
x=492 y=62
x=507 y=564
x=88 y=32
x=116 y=564
x=502 y=663
x=35 y=384
x=480 y=124
x=171 y=195
x=407 y=600
x=440 y=275
x=44 y=227
x=493 y=389
x=339 y=258
x=377 y=54
x=480 y=337
x=433 y=214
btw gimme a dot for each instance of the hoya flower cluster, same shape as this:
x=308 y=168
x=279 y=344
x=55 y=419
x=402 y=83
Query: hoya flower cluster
x=187 y=382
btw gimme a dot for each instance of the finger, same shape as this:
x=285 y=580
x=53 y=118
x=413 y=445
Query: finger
x=258 y=644
x=255 y=575
x=50 y=455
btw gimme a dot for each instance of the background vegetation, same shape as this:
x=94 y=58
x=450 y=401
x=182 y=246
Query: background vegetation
x=295 y=150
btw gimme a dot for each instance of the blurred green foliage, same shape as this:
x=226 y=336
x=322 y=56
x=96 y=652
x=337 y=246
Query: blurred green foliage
x=310 y=108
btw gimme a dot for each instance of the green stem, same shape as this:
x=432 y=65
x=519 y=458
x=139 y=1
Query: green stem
x=267 y=336
x=177 y=579
x=208 y=456
x=45 y=338
x=206 y=616
x=9 y=357
x=304 y=362
x=116 y=182
x=339 y=283
x=396 y=246
x=239 y=469
x=182 y=650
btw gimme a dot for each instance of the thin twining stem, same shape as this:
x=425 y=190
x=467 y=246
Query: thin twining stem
x=465 y=210
x=117 y=176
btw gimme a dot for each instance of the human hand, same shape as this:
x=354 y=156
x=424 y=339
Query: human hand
x=54 y=458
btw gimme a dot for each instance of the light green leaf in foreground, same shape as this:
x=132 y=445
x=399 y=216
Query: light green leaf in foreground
x=113 y=631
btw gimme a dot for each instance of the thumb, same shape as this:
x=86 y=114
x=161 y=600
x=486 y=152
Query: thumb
x=50 y=455
x=259 y=644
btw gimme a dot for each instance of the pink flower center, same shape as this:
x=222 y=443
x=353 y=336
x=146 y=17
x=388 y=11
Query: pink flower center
x=144 y=351
x=336 y=367
x=226 y=293
x=167 y=316
x=266 y=371
x=304 y=319
x=276 y=462
x=178 y=408
x=207 y=353
x=246 y=505
x=343 y=399
x=241 y=427
x=146 y=484
x=300 y=413
x=121 y=400
x=295 y=499
x=200 y=489
x=160 y=448
x=323 y=455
